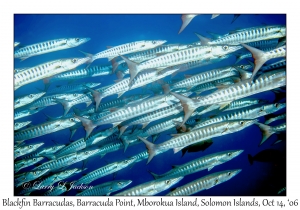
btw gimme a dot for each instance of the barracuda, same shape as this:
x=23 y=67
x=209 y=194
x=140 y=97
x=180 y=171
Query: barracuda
x=105 y=188
x=46 y=70
x=142 y=79
x=44 y=128
x=82 y=143
x=278 y=64
x=183 y=140
x=48 y=46
x=249 y=35
x=152 y=53
x=206 y=162
x=127 y=48
x=204 y=183
x=271 y=118
x=24 y=100
x=19 y=125
x=150 y=188
x=246 y=113
x=45 y=151
x=26 y=112
x=72 y=88
x=151 y=116
x=179 y=57
x=268 y=131
x=29 y=176
x=265 y=82
x=26 y=163
x=51 y=100
x=103 y=171
x=260 y=57
x=66 y=160
x=207 y=76
x=249 y=55
x=50 y=180
x=243 y=103
x=126 y=113
x=23 y=150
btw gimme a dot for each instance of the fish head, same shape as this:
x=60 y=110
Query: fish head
x=152 y=43
x=87 y=153
x=163 y=184
x=33 y=147
x=36 y=159
x=92 y=84
x=21 y=124
x=271 y=108
x=36 y=174
x=68 y=122
x=279 y=31
x=54 y=149
x=228 y=155
x=71 y=63
x=74 y=42
x=119 y=184
x=238 y=125
x=221 y=50
x=224 y=176
x=126 y=162
x=65 y=174
x=244 y=66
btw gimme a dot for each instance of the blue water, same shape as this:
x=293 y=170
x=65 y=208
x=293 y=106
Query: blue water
x=112 y=30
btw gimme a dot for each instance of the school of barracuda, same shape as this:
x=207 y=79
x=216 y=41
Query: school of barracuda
x=194 y=109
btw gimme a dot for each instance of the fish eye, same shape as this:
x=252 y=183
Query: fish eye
x=16 y=124
x=153 y=42
x=86 y=152
x=189 y=45
x=276 y=105
x=119 y=183
x=229 y=154
x=72 y=119
x=75 y=94
x=242 y=66
x=77 y=39
x=24 y=178
x=30 y=96
x=225 y=47
x=74 y=60
x=110 y=188
x=34 y=172
x=229 y=173
x=34 y=159
x=18 y=152
x=126 y=161
x=216 y=181
x=30 y=146
x=168 y=182
x=242 y=122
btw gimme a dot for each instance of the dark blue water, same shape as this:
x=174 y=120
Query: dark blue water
x=112 y=30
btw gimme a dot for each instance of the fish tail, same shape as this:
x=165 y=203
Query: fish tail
x=238 y=58
x=49 y=156
x=152 y=148
x=133 y=71
x=234 y=18
x=87 y=124
x=125 y=142
x=189 y=105
x=97 y=96
x=259 y=58
x=90 y=56
x=186 y=19
x=114 y=65
x=266 y=132
x=250 y=158
x=122 y=130
x=46 y=83
x=66 y=104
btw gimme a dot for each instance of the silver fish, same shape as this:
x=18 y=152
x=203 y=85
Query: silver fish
x=29 y=176
x=204 y=183
x=45 y=151
x=268 y=131
x=206 y=162
x=24 y=100
x=19 y=125
x=271 y=119
x=46 y=70
x=48 y=46
x=26 y=163
x=23 y=150
x=72 y=88
x=150 y=188
x=105 y=188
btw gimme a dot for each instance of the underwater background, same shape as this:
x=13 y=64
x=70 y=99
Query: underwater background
x=261 y=178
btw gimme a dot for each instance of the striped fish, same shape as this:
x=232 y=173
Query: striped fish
x=27 y=112
x=268 y=131
x=24 y=100
x=183 y=140
x=275 y=65
x=26 y=163
x=23 y=150
x=272 y=118
x=72 y=88
x=19 y=125
x=29 y=176
x=204 y=183
x=48 y=46
x=44 y=128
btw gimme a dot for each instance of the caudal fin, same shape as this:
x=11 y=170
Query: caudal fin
x=259 y=58
x=90 y=56
x=87 y=124
x=155 y=176
x=66 y=104
x=186 y=19
x=97 y=96
x=133 y=71
x=151 y=148
x=188 y=105
x=266 y=132
x=250 y=158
